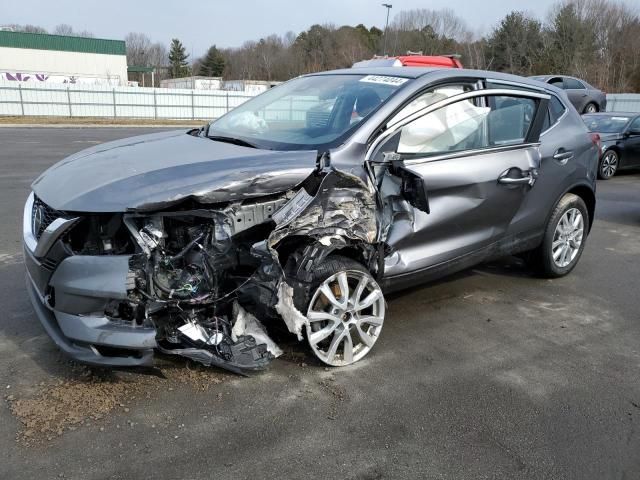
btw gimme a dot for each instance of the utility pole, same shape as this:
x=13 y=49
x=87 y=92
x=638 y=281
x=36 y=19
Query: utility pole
x=388 y=6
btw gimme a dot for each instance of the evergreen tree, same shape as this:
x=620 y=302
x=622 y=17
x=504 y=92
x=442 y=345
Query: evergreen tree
x=178 y=66
x=212 y=65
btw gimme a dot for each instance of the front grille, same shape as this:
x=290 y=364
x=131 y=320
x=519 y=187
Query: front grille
x=41 y=217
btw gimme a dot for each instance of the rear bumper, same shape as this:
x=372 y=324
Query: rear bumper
x=90 y=337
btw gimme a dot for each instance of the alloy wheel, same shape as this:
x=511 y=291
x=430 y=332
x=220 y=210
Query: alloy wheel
x=345 y=316
x=609 y=164
x=591 y=108
x=567 y=238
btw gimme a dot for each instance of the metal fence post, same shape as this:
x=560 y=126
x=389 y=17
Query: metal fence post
x=69 y=101
x=227 y=101
x=155 y=105
x=21 y=101
x=193 y=108
x=114 y=103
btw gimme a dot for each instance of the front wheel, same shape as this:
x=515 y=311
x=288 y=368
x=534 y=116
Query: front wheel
x=346 y=312
x=564 y=238
x=608 y=165
x=591 y=108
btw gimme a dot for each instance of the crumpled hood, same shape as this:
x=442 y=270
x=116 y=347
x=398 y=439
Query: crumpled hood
x=155 y=171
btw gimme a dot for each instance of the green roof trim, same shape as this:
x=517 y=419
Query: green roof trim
x=139 y=69
x=62 y=43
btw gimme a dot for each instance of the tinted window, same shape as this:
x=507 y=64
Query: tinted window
x=557 y=82
x=465 y=125
x=555 y=110
x=635 y=125
x=606 y=123
x=572 y=83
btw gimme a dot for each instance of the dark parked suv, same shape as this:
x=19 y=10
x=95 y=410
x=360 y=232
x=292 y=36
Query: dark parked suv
x=298 y=209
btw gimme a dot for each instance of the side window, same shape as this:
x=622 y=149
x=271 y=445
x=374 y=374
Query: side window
x=465 y=125
x=635 y=125
x=555 y=110
x=429 y=98
x=572 y=83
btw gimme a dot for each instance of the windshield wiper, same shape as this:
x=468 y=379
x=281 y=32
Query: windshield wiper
x=235 y=141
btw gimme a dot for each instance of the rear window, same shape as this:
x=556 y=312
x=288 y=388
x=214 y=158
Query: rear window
x=572 y=83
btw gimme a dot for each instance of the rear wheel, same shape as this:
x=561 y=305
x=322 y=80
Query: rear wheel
x=591 y=108
x=564 y=238
x=346 y=312
x=608 y=165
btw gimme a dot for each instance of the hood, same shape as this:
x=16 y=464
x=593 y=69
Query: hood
x=155 y=171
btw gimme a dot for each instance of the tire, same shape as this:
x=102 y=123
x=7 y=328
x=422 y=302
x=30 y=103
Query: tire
x=549 y=259
x=341 y=330
x=590 y=108
x=608 y=165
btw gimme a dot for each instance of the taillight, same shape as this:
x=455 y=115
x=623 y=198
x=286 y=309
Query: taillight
x=595 y=139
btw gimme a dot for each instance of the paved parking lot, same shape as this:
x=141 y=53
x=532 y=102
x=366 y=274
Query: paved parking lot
x=489 y=374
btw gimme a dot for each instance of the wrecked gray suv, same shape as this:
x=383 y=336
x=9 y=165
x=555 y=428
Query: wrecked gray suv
x=298 y=209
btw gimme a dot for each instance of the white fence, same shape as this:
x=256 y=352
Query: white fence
x=116 y=102
x=623 y=102
x=61 y=100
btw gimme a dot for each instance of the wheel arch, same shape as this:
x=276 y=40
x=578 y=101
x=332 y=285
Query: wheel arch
x=296 y=247
x=588 y=196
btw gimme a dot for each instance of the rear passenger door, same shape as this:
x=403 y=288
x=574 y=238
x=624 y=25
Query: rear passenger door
x=477 y=158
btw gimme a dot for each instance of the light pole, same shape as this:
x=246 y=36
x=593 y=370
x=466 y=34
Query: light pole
x=388 y=6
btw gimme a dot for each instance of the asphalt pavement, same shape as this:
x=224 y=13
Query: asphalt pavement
x=491 y=373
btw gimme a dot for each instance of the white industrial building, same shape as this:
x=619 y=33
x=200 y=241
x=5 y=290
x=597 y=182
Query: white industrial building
x=42 y=58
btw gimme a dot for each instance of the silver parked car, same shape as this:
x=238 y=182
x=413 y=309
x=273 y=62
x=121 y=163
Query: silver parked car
x=586 y=98
x=300 y=208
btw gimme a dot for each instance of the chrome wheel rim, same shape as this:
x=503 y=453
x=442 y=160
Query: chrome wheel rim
x=609 y=164
x=345 y=316
x=591 y=108
x=567 y=238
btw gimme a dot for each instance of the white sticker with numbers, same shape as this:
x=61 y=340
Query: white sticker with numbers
x=384 y=80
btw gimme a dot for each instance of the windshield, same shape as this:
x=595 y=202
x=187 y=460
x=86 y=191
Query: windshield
x=307 y=113
x=606 y=123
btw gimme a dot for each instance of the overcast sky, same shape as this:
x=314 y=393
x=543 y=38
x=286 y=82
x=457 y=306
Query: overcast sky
x=228 y=23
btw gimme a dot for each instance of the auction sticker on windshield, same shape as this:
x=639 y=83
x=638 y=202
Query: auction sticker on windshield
x=384 y=80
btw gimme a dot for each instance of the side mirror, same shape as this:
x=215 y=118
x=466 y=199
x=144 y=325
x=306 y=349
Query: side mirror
x=413 y=189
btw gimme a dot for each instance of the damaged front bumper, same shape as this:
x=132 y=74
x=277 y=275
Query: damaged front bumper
x=90 y=339
x=191 y=282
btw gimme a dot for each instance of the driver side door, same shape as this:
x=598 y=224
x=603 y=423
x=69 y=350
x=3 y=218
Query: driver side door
x=475 y=156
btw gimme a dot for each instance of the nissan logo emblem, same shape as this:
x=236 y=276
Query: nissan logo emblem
x=37 y=219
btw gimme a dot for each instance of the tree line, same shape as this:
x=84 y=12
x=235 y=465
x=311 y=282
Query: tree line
x=597 y=40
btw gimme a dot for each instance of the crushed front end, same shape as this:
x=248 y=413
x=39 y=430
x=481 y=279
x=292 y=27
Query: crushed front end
x=201 y=280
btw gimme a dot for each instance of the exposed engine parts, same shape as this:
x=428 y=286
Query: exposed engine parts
x=201 y=277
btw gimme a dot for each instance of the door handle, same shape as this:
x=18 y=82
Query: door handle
x=529 y=178
x=563 y=156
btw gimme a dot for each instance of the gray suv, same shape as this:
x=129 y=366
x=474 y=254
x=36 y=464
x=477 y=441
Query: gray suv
x=298 y=209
